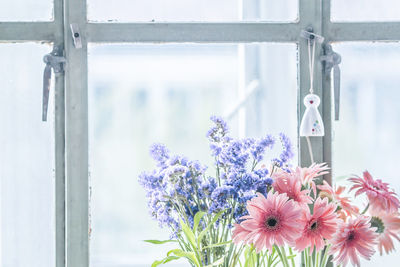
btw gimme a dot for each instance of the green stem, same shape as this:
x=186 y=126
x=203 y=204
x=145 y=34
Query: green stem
x=309 y=258
x=283 y=259
x=292 y=259
x=316 y=263
x=326 y=256
x=284 y=255
x=365 y=210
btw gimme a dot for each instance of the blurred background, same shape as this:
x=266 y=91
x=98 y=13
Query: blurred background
x=140 y=94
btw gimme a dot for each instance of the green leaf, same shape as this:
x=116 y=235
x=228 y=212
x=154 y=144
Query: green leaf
x=196 y=220
x=218 y=244
x=204 y=232
x=217 y=262
x=189 y=234
x=159 y=242
x=188 y=255
x=165 y=260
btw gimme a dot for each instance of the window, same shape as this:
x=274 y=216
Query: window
x=27 y=177
x=166 y=93
x=241 y=61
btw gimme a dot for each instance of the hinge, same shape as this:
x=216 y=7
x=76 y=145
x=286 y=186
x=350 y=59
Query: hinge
x=54 y=61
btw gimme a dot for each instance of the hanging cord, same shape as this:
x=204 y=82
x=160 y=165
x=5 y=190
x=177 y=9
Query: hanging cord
x=310 y=149
x=311 y=57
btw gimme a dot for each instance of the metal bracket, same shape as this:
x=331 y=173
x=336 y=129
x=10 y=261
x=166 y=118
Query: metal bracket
x=76 y=35
x=54 y=61
x=331 y=61
x=310 y=35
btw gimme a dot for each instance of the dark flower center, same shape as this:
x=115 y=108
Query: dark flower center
x=314 y=225
x=272 y=222
x=351 y=236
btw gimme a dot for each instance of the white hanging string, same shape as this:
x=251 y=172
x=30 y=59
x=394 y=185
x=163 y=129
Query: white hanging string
x=311 y=57
x=310 y=149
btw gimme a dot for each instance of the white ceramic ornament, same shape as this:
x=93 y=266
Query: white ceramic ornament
x=311 y=124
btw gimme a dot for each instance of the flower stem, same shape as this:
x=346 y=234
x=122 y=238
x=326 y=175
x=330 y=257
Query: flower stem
x=292 y=259
x=365 y=210
x=326 y=255
x=316 y=263
x=310 y=261
x=283 y=259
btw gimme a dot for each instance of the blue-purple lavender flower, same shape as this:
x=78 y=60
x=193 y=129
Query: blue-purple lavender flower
x=207 y=187
x=220 y=197
x=160 y=153
x=287 y=151
x=264 y=185
x=234 y=155
x=219 y=131
x=259 y=147
x=178 y=187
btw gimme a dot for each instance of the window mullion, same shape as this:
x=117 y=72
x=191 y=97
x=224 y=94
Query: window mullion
x=310 y=13
x=76 y=105
x=59 y=128
x=199 y=32
x=327 y=95
x=27 y=31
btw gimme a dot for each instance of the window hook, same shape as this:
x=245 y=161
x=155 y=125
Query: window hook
x=54 y=61
x=332 y=61
x=310 y=35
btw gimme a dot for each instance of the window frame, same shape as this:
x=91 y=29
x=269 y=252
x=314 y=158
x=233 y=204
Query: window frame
x=71 y=89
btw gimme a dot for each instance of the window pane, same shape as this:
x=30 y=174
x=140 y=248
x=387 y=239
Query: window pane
x=192 y=10
x=366 y=137
x=26 y=10
x=361 y=10
x=141 y=94
x=27 y=227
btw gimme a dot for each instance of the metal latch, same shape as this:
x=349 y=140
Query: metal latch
x=332 y=61
x=76 y=35
x=54 y=61
x=309 y=34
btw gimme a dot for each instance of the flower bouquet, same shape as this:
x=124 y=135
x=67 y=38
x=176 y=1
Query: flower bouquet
x=258 y=212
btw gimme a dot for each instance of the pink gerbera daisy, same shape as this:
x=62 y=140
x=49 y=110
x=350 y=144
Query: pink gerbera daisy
x=307 y=175
x=379 y=195
x=353 y=239
x=289 y=183
x=321 y=224
x=271 y=221
x=388 y=227
x=344 y=203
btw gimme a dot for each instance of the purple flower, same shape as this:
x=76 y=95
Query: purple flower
x=287 y=152
x=260 y=146
x=216 y=133
x=220 y=196
x=160 y=153
x=264 y=185
x=207 y=188
x=178 y=187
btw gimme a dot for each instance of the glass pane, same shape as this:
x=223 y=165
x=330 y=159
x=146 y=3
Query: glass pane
x=26 y=10
x=141 y=94
x=366 y=137
x=361 y=10
x=27 y=230
x=192 y=10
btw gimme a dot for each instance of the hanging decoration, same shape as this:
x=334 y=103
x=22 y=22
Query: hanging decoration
x=312 y=124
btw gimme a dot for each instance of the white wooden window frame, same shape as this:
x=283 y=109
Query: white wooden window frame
x=71 y=92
